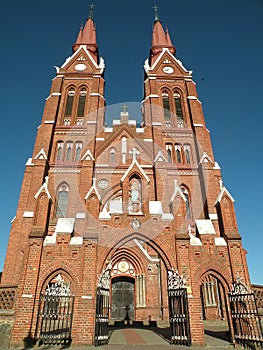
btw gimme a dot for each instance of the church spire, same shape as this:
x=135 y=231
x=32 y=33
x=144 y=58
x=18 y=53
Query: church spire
x=87 y=36
x=160 y=38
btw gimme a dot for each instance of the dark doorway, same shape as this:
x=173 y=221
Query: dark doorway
x=122 y=298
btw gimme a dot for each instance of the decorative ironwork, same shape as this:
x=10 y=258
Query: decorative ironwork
x=7 y=298
x=244 y=312
x=55 y=313
x=175 y=280
x=102 y=309
x=178 y=309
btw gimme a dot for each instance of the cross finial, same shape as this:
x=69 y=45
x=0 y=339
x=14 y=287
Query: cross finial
x=134 y=153
x=124 y=108
x=91 y=10
x=156 y=12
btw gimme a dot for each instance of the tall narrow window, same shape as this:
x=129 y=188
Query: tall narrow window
x=69 y=151
x=169 y=153
x=112 y=155
x=78 y=151
x=187 y=154
x=82 y=100
x=166 y=108
x=69 y=104
x=187 y=203
x=62 y=201
x=124 y=149
x=59 y=150
x=178 y=154
x=178 y=110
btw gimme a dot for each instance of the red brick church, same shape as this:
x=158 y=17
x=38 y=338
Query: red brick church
x=126 y=223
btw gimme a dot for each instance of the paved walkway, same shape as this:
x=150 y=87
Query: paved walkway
x=145 y=339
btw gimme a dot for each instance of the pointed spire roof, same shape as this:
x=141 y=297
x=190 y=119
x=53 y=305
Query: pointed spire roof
x=160 y=38
x=87 y=36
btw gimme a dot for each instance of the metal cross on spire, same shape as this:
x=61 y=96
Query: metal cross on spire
x=124 y=108
x=156 y=12
x=91 y=10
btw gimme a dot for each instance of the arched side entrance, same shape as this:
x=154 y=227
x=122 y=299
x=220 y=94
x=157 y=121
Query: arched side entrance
x=213 y=299
x=215 y=308
x=55 y=311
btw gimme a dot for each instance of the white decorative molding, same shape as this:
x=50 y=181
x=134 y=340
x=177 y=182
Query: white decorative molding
x=198 y=125
x=41 y=155
x=43 y=188
x=27 y=296
x=29 y=162
x=205 y=227
x=155 y=208
x=93 y=187
x=100 y=139
x=222 y=192
x=88 y=156
x=213 y=217
x=167 y=217
x=148 y=140
x=65 y=225
x=160 y=157
x=205 y=158
x=28 y=214
x=192 y=98
x=220 y=241
x=50 y=240
x=145 y=252
x=88 y=297
x=49 y=122
x=76 y=241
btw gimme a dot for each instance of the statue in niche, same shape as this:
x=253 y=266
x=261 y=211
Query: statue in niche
x=135 y=196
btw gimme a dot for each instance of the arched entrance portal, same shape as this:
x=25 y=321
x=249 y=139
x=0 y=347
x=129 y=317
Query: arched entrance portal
x=139 y=283
x=122 y=298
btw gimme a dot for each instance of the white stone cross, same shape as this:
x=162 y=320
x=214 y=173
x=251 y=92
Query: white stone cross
x=134 y=153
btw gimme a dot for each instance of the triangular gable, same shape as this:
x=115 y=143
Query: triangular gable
x=88 y=156
x=205 y=158
x=163 y=56
x=89 y=60
x=41 y=155
x=120 y=132
x=160 y=157
x=223 y=192
x=43 y=188
x=94 y=190
x=177 y=190
x=135 y=163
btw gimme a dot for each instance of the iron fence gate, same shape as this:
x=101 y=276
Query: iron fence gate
x=178 y=310
x=55 y=315
x=102 y=310
x=244 y=312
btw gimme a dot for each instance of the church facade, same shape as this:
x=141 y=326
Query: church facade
x=111 y=219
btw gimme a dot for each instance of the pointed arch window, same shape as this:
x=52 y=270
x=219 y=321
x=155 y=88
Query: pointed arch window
x=69 y=151
x=78 y=151
x=82 y=101
x=169 y=153
x=166 y=108
x=187 y=203
x=59 y=150
x=69 y=104
x=112 y=155
x=178 y=110
x=62 y=201
x=187 y=154
x=178 y=153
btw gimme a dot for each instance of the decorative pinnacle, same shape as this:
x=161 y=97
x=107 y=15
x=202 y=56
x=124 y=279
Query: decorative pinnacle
x=156 y=13
x=91 y=10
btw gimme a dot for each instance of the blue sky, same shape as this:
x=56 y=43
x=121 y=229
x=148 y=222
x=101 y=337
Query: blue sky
x=221 y=41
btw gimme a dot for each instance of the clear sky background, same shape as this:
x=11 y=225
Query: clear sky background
x=221 y=41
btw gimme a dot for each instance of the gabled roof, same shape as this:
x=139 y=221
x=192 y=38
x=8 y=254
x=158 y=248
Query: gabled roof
x=133 y=165
x=177 y=190
x=223 y=192
x=41 y=155
x=43 y=188
x=94 y=190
